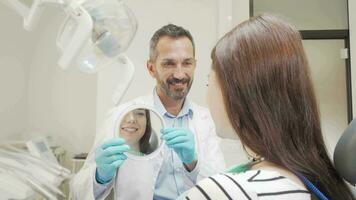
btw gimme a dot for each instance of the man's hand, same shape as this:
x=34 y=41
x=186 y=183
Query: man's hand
x=181 y=140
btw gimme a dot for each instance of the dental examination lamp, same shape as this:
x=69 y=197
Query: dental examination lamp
x=94 y=34
x=345 y=154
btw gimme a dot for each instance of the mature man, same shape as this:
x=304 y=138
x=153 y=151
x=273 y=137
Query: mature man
x=191 y=150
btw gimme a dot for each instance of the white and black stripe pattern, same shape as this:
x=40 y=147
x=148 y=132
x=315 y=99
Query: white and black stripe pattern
x=260 y=184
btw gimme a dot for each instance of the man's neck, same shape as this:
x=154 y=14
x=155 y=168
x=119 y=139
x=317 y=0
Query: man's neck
x=173 y=107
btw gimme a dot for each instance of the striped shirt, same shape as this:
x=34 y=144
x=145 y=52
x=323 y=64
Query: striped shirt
x=251 y=185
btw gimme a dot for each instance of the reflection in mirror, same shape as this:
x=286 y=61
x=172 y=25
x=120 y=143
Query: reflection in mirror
x=140 y=128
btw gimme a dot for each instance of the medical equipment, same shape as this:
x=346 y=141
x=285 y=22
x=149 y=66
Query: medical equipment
x=40 y=148
x=29 y=177
x=12 y=187
x=95 y=34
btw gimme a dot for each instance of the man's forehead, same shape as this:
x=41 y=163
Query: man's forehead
x=167 y=44
x=175 y=54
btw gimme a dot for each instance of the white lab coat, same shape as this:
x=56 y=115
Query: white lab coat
x=210 y=157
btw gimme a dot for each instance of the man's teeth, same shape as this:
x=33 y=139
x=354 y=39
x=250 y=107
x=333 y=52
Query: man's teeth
x=178 y=84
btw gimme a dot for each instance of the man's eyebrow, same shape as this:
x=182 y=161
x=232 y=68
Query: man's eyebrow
x=168 y=59
x=189 y=59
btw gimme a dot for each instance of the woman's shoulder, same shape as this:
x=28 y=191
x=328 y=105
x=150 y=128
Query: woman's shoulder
x=252 y=184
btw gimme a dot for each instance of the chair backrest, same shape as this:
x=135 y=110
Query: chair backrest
x=345 y=154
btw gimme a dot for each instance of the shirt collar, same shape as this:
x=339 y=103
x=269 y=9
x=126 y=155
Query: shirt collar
x=186 y=109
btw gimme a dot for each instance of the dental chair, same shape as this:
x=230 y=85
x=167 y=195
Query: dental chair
x=345 y=155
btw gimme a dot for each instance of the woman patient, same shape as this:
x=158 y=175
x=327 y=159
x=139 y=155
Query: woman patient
x=136 y=129
x=260 y=92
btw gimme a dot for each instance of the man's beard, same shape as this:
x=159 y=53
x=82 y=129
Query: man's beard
x=176 y=94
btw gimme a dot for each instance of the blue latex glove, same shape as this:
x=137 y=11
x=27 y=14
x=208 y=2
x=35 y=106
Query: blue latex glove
x=109 y=157
x=181 y=140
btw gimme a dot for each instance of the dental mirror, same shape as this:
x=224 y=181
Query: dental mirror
x=140 y=126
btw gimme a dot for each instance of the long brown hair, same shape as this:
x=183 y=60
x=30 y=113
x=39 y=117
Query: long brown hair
x=145 y=146
x=269 y=98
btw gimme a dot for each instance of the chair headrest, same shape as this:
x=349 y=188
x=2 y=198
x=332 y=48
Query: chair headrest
x=345 y=154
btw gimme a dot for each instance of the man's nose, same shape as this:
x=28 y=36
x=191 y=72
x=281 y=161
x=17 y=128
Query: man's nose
x=179 y=73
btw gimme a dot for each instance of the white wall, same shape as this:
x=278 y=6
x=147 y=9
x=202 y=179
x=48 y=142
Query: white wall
x=14 y=56
x=61 y=104
x=352 y=28
x=37 y=97
x=231 y=13
x=328 y=74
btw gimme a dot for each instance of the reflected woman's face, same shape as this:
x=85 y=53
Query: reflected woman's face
x=133 y=126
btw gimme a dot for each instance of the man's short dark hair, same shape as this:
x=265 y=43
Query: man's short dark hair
x=169 y=30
